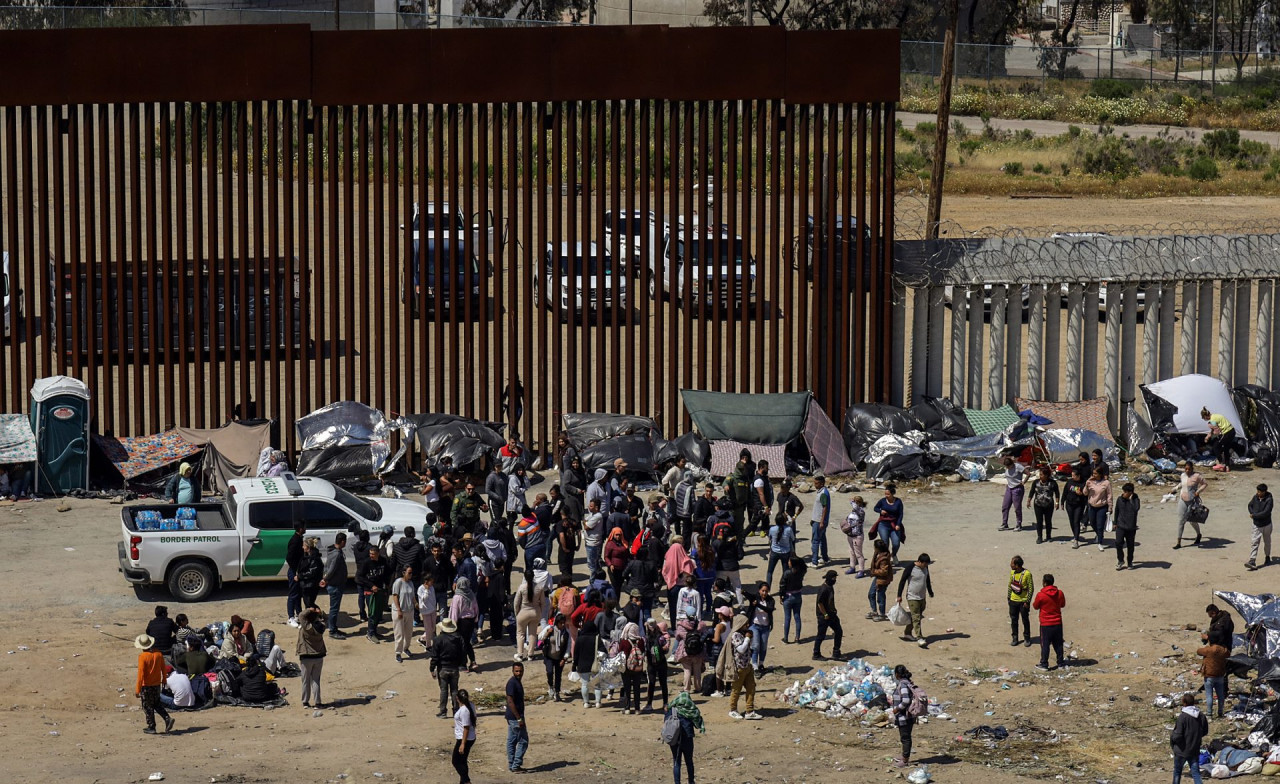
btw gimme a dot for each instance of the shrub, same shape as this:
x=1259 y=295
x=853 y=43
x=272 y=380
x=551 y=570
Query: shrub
x=959 y=131
x=1073 y=131
x=970 y=145
x=1110 y=88
x=1110 y=157
x=1012 y=168
x=1040 y=168
x=910 y=161
x=1203 y=169
x=1223 y=143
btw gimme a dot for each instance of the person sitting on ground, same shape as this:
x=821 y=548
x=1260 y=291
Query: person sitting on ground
x=254 y=686
x=180 y=695
x=162 y=629
x=196 y=661
x=236 y=645
x=245 y=627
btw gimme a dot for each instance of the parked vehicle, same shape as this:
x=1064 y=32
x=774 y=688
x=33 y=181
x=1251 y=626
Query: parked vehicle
x=719 y=268
x=440 y=218
x=104 y=300
x=814 y=249
x=244 y=538
x=12 y=298
x=580 y=278
x=630 y=227
x=459 y=270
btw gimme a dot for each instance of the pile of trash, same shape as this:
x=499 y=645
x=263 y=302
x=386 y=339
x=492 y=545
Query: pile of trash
x=854 y=690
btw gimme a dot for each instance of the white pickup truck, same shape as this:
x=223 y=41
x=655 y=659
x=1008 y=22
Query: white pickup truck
x=245 y=536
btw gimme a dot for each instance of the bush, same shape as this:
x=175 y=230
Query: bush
x=1012 y=168
x=970 y=145
x=1224 y=143
x=1203 y=169
x=1073 y=131
x=1110 y=88
x=1110 y=158
x=959 y=131
x=1040 y=168
x=910 y=162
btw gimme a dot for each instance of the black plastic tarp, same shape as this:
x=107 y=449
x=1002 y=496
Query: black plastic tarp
x=941 y=420
x=638 y=449
x=602 y=438
x=466 y=441
x=587 y=429
x=345 y=440
x=693 y=447
x=867 y=423
x=1160 y=410
x=337 y=463
x=1259 y=408
x=1013 y=439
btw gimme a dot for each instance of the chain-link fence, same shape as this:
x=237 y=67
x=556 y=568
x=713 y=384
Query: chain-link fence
x=1026 y=60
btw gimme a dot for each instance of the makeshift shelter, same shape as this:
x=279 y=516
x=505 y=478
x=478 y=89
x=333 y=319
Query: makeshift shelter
x=995 y=420
x=230 y=451
x=141 y=460
x=467 y=442
x=788 y=419
x=691 y=446
x=1013 y=439
x=60 y=422
x=1088 y=414
x=17 y=442
x=867 y=423
x=603 y=438
x=941 y=420
x=1174 y=404
x=1261 y=614
x=348 y=441
x=724 y=457
x=1259 y=410
x=1062 y=445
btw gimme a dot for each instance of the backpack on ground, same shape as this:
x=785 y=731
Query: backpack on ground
x=708 y=685
x=919 y=705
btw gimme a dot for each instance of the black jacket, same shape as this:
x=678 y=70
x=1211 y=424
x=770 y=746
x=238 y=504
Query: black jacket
x=1221 y=629
x=310 y=570
x=293 y=552
x=372 y=573
x=584 y=652
x=641 y=575
x=1260 y=509
x=793 y=579
x=162 y=630
x=409 y=552
x=1188 y=732
x=1126 y=514
x=448 y=652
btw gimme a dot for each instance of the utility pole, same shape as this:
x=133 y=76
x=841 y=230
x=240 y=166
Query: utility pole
x=751 y=19
x=1213 y=44
x=944 y=120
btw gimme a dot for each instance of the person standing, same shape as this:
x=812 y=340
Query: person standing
x=311 y=651
x=852 y=528
x=1190 y=484
x=593 y=534
x=782 y=543
x=1188 y=733
x=828 y=618
x=1213 y=668
x=464 y=734
x=1073 y=503
x=882 y=576
x=428 y=608
x=496 y=487
x=915 y=583
x=1098 y=497
x=517 y=728
x=371 y=578
x=1222 y=438
x=467 y=507
x=517 y=487
x=1126 y=525
x=555 y=650
x=448 y=655
x=292 y=559
x=310 y=572
x=150 y=678
x=656 y=642
x=1222 y=628
x=1044 y=497
x=1050 y=601
x=690 y=722
x=1021 y=585
x=744 y=677
x=818 y=521
x=1260 y=512
x=889 y=525
x=183 y=488
x=409 y=553
x=335 y=579
x=761 y=499
x=903 y=692
x=760 y=610
x=791 y=588
x=404 y=604
x=530 y=606
x=1015 y=476
x=737 y=489
x=676 y=474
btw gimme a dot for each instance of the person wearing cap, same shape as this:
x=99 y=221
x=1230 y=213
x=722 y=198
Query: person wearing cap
x=788 y=503
x=467 y=507
x=819 y=518
x=448 y=656
x=150 y=677
x=183 y=487
x=915 y=583
x=828 y=618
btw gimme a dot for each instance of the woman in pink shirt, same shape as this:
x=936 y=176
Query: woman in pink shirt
x=1098 y=500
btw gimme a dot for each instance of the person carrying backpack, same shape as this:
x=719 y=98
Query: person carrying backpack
x=689 y=719
x=632 y=647
x=909 y=704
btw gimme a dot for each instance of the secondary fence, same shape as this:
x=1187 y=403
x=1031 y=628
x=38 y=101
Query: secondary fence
x=206 y=223
x=1071 y=313
x=70 y=17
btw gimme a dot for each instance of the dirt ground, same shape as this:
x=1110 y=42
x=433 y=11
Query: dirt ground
x=67 y=668
x=972 y=213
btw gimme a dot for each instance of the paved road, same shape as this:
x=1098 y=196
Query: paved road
x=1054 y=128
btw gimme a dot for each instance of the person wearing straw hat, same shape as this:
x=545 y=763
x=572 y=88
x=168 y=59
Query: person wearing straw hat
x=448 y=655
x=150 y=678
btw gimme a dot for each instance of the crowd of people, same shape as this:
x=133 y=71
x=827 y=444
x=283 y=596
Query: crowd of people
x=662 y=594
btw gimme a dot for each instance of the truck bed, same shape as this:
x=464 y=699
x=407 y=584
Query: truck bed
x=209 y=517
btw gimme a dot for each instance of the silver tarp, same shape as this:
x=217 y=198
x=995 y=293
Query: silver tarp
x=341 y=434
x=1261 y=615
x=1064 y=445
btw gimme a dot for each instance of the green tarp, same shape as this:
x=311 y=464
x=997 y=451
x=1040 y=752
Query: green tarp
x=993 y=421
x=752 y=419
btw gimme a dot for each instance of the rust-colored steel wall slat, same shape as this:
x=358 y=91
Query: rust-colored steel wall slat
x=170 y=234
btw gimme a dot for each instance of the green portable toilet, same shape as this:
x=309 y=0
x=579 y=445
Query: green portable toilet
x=60 y=421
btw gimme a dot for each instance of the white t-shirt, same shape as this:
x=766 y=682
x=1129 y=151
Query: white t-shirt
x=180 y=685
x=462 y=723
x=427 y=599
x=593 y=529
x=1015 y=475
x=430 y=493
x=674 y=476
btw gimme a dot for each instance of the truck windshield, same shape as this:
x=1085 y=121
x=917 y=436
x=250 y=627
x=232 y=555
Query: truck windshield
x=366 y=509
x=706 y=249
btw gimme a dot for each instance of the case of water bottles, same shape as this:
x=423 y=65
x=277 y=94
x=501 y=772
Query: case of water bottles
x=153 y=520
x=186 y=519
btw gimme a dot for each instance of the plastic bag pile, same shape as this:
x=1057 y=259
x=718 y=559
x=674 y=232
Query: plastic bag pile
x=854 y=690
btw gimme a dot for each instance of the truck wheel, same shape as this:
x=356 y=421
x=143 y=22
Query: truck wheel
x=191 y=581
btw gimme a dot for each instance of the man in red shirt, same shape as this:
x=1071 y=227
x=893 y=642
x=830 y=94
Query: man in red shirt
x=150 y=678
x=1050 y=602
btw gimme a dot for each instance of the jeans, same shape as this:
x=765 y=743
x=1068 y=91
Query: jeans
x=1097 y=517
x=1178 y=762
x=791 y=609
x=818 y=543
x=774 y=560
x=1020 y=610
x=837 y=635
x=1125 y=541
x=555 y=671
x=1050 y=637
x=593 y=558
x=889 y=534
x=448 y=678
x=335 y=604
x=1260 y=535
x=531 y=554
x=462 y=750
x=1012 y=498
x=875 y=596
x=682 y=749
x=759 y=644
x=517 y=743
x=1044 y=521
x=1216 y=685
x=293 y=604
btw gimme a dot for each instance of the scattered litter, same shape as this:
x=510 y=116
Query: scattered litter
x=55 y=733
x=987 y=732
x=157 y=776
x=1060 y=701
x=121 y=705
x=69 y=549
x=377 y=775
x=23 y=648
x=390 y=695
x=920 y=775
x=317 y=714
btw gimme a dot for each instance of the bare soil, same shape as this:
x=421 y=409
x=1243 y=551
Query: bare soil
x=67 y=667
